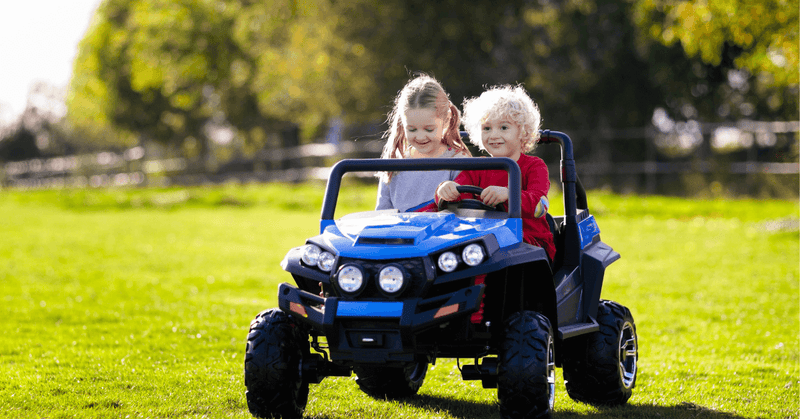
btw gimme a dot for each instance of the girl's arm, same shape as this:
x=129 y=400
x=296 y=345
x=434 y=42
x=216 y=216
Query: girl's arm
x=454 y=173
x=384 y=200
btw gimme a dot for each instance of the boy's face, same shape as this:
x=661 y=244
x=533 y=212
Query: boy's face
x=424 y=131
x=502 y=138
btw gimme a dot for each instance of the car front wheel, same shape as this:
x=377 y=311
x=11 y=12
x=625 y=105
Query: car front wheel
x=272 y=366
x=526 y=380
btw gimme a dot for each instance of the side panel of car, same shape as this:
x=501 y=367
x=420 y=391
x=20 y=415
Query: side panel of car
x=526 y=286
x=578 y=289
x=569 y=294
x=594 y=261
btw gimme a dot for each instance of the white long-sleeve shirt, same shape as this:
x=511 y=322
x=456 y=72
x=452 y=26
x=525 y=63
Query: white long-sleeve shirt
x=411 y=190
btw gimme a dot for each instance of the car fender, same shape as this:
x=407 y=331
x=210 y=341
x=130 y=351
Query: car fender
x=596 y=257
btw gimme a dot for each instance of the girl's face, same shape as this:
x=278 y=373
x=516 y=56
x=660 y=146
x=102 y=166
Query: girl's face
x=502 y=138
x=424 y=131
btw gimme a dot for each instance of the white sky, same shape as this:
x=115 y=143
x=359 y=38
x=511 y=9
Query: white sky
x=38 y=41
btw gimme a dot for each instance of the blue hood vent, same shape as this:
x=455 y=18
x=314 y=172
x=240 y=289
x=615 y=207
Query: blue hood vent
x=387 y=241
x=402 y=230
x=381 y=235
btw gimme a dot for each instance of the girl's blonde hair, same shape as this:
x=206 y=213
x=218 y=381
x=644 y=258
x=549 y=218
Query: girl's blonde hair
x=421 y=92
x=508 y=103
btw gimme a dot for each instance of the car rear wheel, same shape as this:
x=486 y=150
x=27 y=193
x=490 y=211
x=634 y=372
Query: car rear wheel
x=392 y=383
x=526 y=380
x=600 y=369
x=272 y=366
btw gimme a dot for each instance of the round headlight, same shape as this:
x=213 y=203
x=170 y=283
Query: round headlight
x=448 y=261
x=311 y=254
x=472 y=254
x=325 y=261
x=350 y=278
x=391 y=279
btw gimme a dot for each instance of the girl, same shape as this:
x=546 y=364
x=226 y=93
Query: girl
x=505 y=122
x=423 y=123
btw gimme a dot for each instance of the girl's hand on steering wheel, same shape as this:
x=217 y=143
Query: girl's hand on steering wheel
x=447 y=191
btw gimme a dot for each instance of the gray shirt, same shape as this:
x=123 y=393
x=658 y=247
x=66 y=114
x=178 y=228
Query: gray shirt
x=408 y=190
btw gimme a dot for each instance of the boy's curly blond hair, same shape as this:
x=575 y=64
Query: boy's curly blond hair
x=509 y=103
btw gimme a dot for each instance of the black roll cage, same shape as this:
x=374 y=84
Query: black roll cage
x=391 y=165
x=574 y=193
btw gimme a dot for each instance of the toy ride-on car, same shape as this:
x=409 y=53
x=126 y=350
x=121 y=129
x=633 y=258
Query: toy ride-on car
x=384 y=294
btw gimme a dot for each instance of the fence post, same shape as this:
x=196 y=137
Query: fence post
x=290 y=138
x=142 y=160
x=749 y=176
x=650 y=177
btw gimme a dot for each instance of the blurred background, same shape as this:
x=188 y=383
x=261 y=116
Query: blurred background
x=687 y=98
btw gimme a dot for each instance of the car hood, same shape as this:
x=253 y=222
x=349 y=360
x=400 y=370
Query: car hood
x=392 y=235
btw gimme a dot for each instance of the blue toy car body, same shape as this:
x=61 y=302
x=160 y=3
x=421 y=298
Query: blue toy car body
x=384 y=293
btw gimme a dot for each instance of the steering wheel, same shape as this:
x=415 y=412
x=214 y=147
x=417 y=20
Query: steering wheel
x=470 y=203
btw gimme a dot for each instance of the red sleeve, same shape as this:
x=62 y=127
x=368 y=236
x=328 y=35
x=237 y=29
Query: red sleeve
x=535 y=185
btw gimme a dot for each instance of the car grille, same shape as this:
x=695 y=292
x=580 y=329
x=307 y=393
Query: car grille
x=414 y=267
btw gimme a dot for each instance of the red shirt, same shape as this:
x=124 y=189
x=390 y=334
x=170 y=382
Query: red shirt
x=535 y=185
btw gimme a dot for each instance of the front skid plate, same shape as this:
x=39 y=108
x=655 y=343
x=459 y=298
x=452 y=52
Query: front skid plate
x=322 y=313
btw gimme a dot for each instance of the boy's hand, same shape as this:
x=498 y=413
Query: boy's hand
x=494 y=195
x=447 y=191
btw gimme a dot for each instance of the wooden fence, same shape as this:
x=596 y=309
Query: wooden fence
x=601 y=159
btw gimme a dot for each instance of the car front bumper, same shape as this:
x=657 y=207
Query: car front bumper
x=377 y=331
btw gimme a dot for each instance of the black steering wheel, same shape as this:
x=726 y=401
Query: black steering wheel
x=470 y=203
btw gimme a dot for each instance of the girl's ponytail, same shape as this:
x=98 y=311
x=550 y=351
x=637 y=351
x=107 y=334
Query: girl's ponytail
x=395 y=142
x=452 y=136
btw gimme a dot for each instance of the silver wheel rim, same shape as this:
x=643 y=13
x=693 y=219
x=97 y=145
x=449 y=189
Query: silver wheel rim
x=419 y=369
x=628 y=354
x=551 y=372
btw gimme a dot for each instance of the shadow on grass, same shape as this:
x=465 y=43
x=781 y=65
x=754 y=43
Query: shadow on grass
x=683 y=410
x=456 y=408
x=472 y=410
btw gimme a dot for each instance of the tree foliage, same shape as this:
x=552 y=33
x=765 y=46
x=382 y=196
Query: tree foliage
x=153 y=68
x=740 y=57
x=173 y=70
x=765 y=32
x=166 y=69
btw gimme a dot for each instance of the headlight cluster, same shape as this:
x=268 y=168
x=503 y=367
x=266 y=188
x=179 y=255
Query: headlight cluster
x=472 y=255
x=352 y=279
x=314 y=256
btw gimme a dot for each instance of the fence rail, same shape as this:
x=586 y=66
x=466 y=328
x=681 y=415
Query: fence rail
x=312 y=161
x=653 y=167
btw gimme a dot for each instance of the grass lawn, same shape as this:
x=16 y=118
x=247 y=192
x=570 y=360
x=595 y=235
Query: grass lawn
x=136 y=303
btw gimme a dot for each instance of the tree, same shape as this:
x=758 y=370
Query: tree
x=765 y=31
x=39 y=131
x=167 y=69
x=148 y=68
x=178 y=70
x=747 y=48
x=19 y=144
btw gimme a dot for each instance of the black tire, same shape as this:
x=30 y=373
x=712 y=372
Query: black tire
x=392 y=383
x=600 y=369
x=272 y=366
x=526 y=379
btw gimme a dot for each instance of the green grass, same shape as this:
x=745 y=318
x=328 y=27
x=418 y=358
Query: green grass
x=136 y=303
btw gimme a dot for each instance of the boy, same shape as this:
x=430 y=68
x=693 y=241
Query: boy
x=504 y=121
